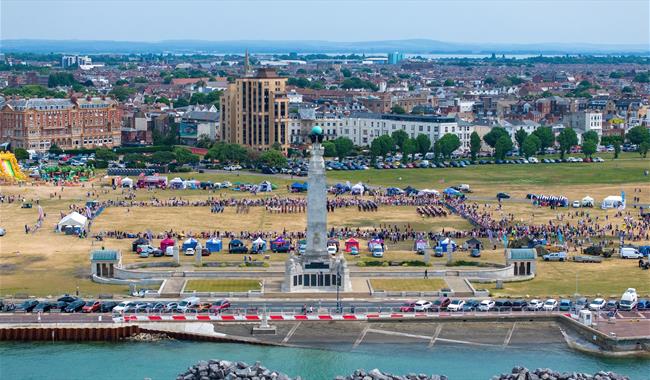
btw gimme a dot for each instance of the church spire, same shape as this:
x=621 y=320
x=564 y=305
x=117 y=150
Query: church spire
x=247 y=65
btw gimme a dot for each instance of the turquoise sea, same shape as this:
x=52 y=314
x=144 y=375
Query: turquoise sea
x=164 y=360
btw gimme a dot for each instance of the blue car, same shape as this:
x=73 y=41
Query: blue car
x=565 y=305
x=643 y=304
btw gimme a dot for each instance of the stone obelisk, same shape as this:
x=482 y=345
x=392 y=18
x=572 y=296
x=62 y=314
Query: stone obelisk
x=316 y=270
x=316 y=203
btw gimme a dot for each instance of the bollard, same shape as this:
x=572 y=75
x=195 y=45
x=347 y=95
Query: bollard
x=99 y=318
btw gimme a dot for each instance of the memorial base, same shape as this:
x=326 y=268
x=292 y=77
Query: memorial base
x=316 y=274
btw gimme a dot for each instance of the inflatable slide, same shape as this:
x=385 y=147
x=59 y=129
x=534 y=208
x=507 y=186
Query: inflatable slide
x=9 y=169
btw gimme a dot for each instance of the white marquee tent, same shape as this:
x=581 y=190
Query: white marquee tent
x=73 y=219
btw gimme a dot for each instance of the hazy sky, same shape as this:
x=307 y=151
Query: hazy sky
x=479 y=21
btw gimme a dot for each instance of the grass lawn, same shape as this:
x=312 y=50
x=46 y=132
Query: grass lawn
x=608 y=172
x=237 y=285
x=409 y=284
x=558 y=279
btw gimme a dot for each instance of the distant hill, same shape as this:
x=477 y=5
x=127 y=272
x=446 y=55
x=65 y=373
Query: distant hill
x=414 y=46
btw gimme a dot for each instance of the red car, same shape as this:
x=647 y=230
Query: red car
x=91 y=307
x=408 y=307
x=219 y=306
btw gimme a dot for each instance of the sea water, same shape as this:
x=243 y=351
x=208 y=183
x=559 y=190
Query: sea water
x=166 y=359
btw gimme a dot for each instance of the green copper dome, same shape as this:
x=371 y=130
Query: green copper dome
x=317 y=130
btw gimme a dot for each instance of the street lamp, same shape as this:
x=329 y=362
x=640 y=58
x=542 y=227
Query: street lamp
x=338 y=284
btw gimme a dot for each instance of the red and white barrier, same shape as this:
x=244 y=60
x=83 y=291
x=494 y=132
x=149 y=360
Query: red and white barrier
x=271 y=317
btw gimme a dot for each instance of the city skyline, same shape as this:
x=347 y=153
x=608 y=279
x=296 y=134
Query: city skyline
x=495 y=22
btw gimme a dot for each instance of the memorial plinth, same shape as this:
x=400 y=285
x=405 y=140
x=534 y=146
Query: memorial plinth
x=316 y=270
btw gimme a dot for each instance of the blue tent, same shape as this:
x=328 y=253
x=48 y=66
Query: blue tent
x=214 y=245
x=394 y=191
x=190 y=243
x=299 y=187
x=453 y=192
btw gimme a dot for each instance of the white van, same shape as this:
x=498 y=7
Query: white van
x=629 y=300
x=188 y=303
x=630 y=253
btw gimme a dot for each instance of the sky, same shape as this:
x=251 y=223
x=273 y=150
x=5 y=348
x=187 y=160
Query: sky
x=465 y=21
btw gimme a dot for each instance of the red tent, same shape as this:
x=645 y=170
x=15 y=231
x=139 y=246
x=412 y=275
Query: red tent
x=352 y=242
x=166 y=242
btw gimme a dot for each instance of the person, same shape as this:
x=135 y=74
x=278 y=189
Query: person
x=426 y=273
x=304 y=309
x=311 y=309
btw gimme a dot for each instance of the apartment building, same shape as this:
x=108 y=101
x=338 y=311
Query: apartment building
x=362 y=128
x=255 y=111
x=583 y=121
x=69 y=123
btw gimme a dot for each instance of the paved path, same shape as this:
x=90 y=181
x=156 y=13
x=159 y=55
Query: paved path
x=457 y=284
x=173 y=285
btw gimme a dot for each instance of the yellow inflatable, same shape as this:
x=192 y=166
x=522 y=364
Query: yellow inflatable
x=9 y=169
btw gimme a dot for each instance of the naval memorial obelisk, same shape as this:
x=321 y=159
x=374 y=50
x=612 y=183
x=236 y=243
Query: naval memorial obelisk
x=316 y=270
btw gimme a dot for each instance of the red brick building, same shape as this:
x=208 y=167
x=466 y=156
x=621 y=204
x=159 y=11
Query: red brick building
x=69 y=123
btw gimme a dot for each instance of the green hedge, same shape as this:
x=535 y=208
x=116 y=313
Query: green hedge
x=126 y=149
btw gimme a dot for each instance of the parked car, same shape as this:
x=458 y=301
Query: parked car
x=565 y=305
x=107 y=306
x=470 y=305
x=630 y=253
x=535 y=305
x=188 y=303
x=502 y=305
x=42 y=307
x=612 y=305
x=642 y=304
x=219 y=306
x=550 y=304
x=456 y=305
x=91 y=307
x=597 y=304
x=555 y=256
x=27 y=306
x=124 y=307
x=422 y=306
x=581 y=303
x=503 y=196
x=440 y=304
x=171 y=307
x=486 y=305
x=75 y=306
x=67 y=298
x=519 y=305
x=331 y=250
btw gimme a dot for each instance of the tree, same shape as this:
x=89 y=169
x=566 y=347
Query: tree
x=520 y=137
x=591 y=136
x=343 y=146
x=410 y=147
x=54 y=149
x=185 y=156
x=122 y=93
x=448 y=144
x=531 y=145
x=493 y=136
x=643 y=148
x=546 y=137
x=330 y=149
x=21 y=154
x=358 y=83
x=204 y=141
x=60 y=79
x=567 y=138
x=273 y=158
x=424 y=143
x=397 y=109
x=638 y=135
x=346 y=72
x=615 y=141
x=503 y=146
x=399 y=137
x=589 y=147
x=105 y=154
x=162 y=157
x=448 y=82
x=474 y=144
x=381 y=145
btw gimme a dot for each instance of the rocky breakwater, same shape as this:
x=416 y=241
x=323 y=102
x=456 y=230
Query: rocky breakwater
x=223 y=369
x=521 y=373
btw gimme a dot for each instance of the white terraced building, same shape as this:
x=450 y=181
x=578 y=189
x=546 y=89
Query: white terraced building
x=362 y=128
